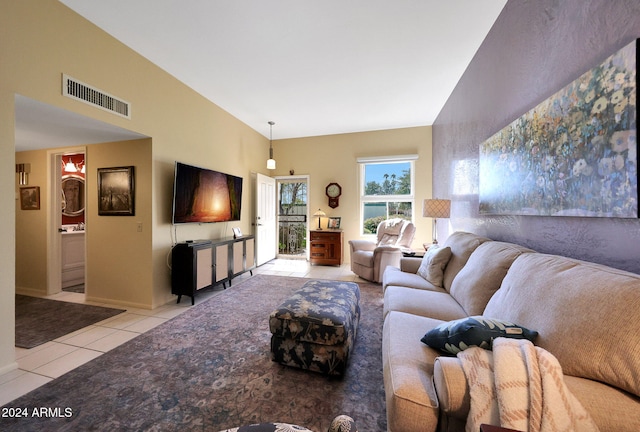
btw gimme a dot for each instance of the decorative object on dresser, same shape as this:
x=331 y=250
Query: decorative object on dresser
x=333 y=191
x=201 y=264
x=326 y=247
x=334 y=223
x=436 y=208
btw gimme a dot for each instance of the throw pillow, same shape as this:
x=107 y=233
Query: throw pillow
x=458 y=335
x=433 y=265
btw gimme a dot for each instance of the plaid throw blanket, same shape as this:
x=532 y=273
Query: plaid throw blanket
x=507 y=387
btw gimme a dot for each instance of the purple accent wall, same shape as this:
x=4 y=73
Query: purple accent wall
x=535 y=48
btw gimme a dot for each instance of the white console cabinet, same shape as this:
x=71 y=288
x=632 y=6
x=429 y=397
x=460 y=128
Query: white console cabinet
x=72 y=258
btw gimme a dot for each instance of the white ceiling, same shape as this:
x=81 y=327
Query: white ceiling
x=312 y=67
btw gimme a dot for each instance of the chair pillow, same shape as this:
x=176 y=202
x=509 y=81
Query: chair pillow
x=388 y=240
x=458 y=335
x=433 y=264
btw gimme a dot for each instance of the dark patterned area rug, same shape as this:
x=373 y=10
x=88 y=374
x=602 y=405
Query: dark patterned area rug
x=210 y=369
x=41 y=320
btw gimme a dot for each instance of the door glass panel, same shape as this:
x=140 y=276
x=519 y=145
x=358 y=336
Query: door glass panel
x=292 y=218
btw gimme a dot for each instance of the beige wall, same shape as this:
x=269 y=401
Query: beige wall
x=333 y=158
x=116 y=240
x=31 y=229
x=110 y=239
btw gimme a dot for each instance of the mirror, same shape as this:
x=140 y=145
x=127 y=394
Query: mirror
x=72 y=195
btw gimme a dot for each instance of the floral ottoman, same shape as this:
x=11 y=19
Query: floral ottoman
x=315 y=328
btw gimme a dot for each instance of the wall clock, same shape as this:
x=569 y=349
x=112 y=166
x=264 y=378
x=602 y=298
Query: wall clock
x=333 y=191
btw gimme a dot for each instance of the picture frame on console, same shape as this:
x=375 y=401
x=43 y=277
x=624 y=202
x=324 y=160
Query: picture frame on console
x=116 y=191
x=236 y=232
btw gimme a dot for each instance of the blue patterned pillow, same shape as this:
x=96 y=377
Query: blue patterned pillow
x=455 y=336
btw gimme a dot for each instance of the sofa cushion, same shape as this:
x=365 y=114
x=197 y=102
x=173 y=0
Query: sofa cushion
x=583 y=312
x=395 y=276
x=427 y=303
x=462 y=244
x=458 y=335
x=434 y=263
x=482 y=275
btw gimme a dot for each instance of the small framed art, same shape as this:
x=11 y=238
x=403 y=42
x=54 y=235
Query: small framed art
x=30 y=198
x=333 y=223
x=236 y=232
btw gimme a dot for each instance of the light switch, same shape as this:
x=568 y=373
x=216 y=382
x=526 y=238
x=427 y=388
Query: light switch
x=139 y=226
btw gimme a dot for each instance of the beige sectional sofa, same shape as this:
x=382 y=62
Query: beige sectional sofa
x=587 y=316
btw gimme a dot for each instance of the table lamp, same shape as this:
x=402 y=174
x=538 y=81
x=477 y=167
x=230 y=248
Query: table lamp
x=320 y=214
x=436 y=208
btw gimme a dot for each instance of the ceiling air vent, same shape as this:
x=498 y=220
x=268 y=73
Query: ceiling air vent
x=78 y=90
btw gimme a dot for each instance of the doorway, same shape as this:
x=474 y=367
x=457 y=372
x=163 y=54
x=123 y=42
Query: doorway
x=293 y=216
x=73 y=222
x=67 y=223
x=265 y=218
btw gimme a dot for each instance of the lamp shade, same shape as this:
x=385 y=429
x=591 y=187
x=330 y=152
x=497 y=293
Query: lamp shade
x=320 y=214
x=436 y=208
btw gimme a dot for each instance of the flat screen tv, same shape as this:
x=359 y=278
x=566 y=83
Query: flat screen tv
x=202 y=195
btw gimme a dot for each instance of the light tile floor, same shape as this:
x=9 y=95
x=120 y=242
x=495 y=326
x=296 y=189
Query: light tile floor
x=41 y=364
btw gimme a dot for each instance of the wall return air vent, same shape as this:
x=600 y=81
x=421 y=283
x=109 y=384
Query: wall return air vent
x=78 y=90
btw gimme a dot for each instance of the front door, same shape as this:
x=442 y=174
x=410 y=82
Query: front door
x=266 y=245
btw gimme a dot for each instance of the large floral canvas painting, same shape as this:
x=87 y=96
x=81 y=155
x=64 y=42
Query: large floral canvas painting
x=575 y=154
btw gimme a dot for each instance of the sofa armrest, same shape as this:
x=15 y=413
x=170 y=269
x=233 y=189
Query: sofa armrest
x=365 y=245
x=410 y=264
x=451 y=387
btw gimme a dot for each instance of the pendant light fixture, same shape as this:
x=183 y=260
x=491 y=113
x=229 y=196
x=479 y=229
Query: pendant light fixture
x=271 y=162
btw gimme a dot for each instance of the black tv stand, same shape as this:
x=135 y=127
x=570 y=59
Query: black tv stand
x=200 y=264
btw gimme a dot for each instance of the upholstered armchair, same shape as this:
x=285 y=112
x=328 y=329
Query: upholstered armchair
x=369 y=258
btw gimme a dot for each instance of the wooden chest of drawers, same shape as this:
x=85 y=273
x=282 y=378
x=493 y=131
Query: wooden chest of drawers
x=326 y=247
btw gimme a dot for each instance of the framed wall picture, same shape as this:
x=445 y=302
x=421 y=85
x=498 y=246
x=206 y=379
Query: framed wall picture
x=116 y=191
x=30 y=198
x=574 y=154
x=333 y=223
